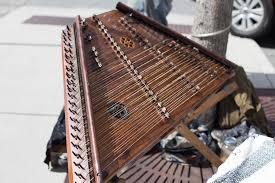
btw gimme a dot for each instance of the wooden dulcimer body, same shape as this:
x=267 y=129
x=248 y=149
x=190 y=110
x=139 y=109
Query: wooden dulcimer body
x=129 y=82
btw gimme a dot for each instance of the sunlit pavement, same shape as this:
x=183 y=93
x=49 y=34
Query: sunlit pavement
x=31 y=79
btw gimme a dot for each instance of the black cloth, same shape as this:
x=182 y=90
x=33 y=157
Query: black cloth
x=58 y=137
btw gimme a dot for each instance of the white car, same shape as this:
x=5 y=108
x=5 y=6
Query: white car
x=252 y=18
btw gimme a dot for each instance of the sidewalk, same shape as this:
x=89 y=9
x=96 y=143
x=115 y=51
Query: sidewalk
x=32 y=86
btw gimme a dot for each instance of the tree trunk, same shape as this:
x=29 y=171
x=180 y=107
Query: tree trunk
x=210 y=29
x=213 y=16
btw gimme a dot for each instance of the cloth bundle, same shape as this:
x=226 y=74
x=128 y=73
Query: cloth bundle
x=251 y=162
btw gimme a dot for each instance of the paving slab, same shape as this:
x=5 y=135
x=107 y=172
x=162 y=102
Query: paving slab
x=14 y=23
x=4 y=9
x=31 y=79
x=23 y=145
x=7 y=6
x=15 y=31
x=186 y=7
x=270 y=53
x=271 y=78
x=248 y=54
x=260 y=80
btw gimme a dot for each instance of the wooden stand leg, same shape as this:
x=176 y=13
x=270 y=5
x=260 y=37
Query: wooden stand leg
x=211 y=101
x=191 y=137
x=199 y=145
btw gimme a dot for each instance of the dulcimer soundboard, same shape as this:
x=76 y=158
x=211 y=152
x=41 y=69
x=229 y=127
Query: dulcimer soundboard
x=128 y=82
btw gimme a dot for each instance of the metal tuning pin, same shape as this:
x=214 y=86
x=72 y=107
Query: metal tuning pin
x=198 y=87
x=69 y=38
x=172 y=43
x=78 y=156
x=151 y=93
x=84 y=23
x=167 y=115
x=88 y=37
x=163 y=109
x=94 y=18
x=139 y=77
x=146 y=41
x=64 y=33
x=69 y=33
x=176 y=47
x=154 y=98
x=125 y=58
x=171 y=64
x=132 y=67
x=121 y=53
x=69 y=62
x=143 y=82
x=121 y=20
x=69 y=45
x=159 y=104
x=64 y=38
x=164 y=42
x=146 y=87
x=99 y=64
x=102 y=26
x=97 y=60
x=195 y=49
x=95 y=54
x=135 y=72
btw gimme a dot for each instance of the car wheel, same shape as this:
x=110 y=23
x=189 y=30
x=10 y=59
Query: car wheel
x=252 y=18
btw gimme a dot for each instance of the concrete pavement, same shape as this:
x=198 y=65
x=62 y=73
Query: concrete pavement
x=31 y=97
x=32 y=88
x=247 y=53
x=23 y=139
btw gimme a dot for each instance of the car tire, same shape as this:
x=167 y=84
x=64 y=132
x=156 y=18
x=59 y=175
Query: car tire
x=258 y=29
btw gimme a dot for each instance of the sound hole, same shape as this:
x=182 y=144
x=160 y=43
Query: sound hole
x=118 y=110
x=127 y=42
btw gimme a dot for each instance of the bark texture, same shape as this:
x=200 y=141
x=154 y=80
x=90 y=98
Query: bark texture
x=212 y=16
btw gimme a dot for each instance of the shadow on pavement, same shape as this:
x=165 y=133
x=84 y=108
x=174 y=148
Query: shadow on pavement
x=268 y=41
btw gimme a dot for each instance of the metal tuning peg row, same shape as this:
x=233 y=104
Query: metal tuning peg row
x=95 y=54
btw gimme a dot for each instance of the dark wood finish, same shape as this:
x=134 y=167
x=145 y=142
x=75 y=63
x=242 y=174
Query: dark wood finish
x=88 y=100
x=211 y=101
x=111 y=119
x=127 y=10
x=76 y=121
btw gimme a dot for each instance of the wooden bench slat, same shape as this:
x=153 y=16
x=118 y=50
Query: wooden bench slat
x=195 y=175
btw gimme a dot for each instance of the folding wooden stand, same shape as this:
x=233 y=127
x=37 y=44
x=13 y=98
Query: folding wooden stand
x=153 y=168
x=184 y=131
